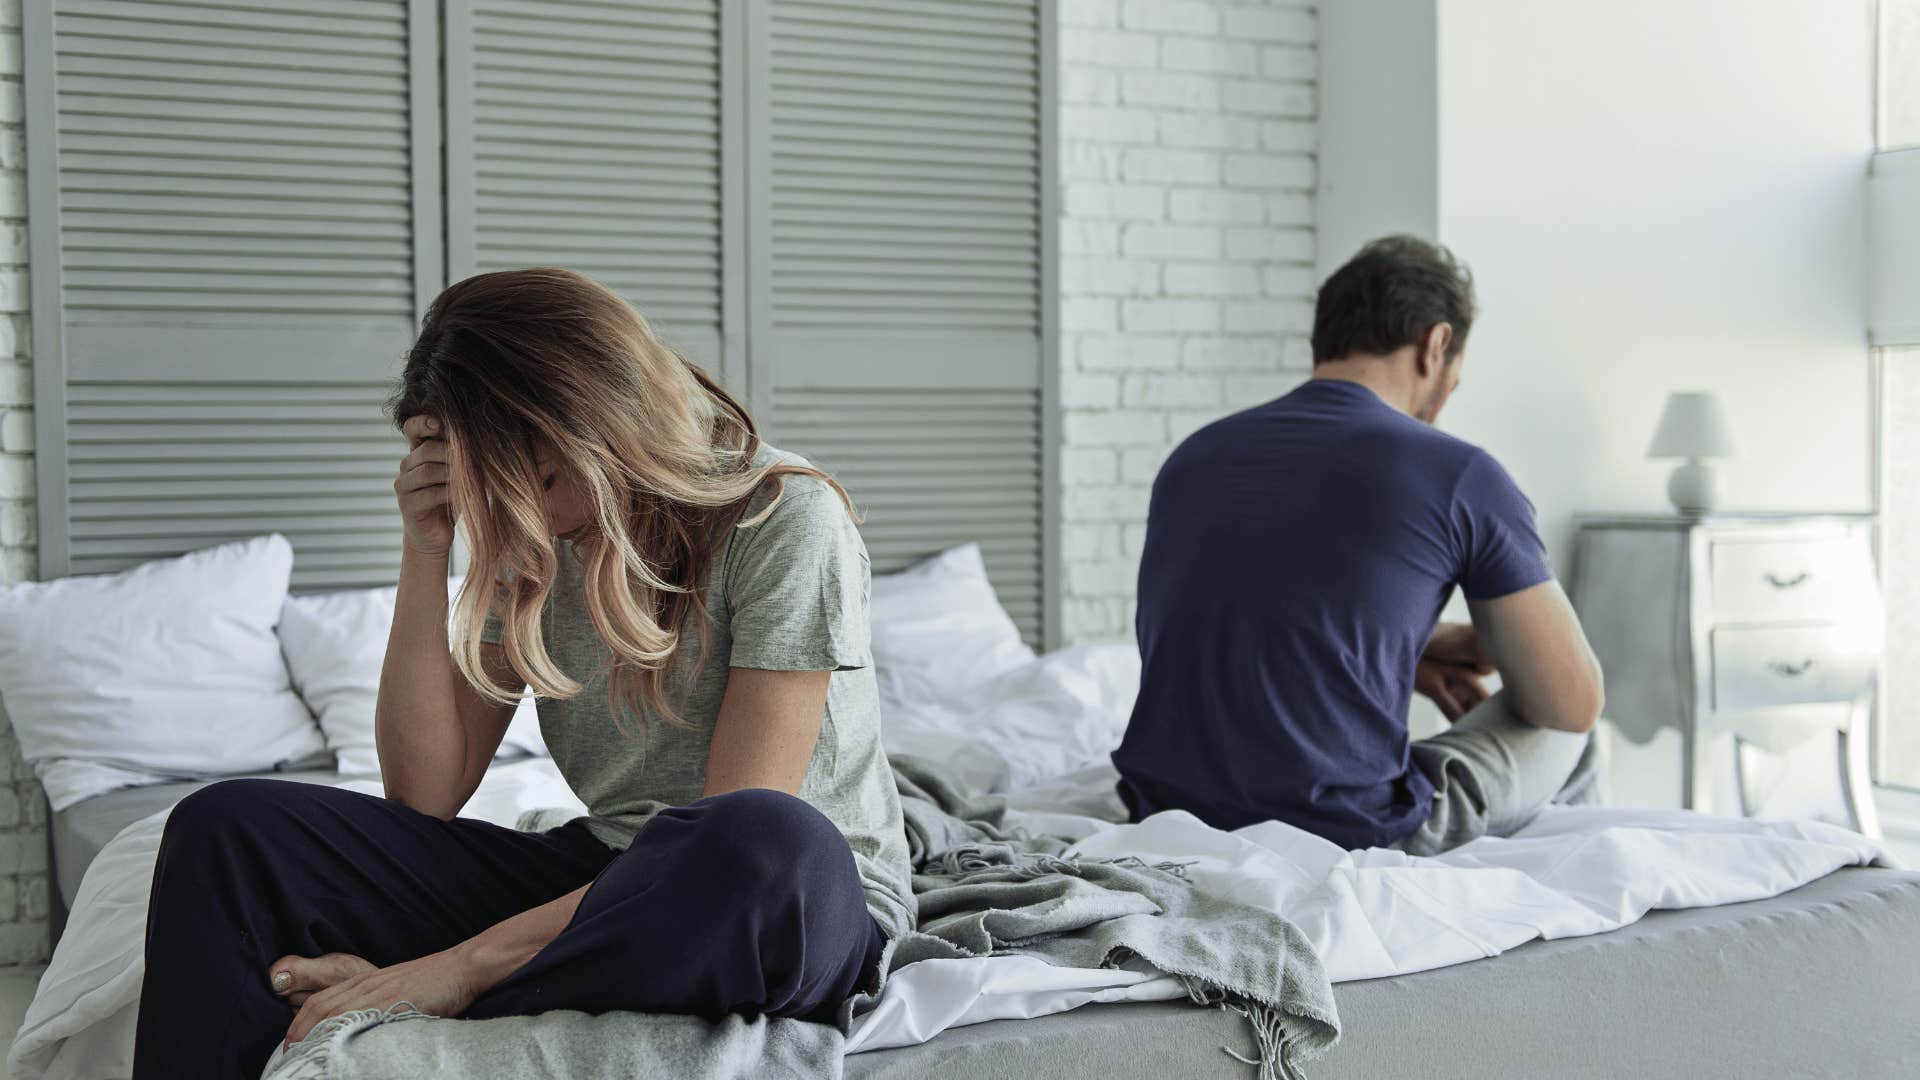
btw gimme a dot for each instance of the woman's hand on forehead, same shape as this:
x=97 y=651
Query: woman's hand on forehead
x=419 y=429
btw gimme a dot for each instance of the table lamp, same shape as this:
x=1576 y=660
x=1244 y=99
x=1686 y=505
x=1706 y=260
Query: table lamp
x=1692 y=427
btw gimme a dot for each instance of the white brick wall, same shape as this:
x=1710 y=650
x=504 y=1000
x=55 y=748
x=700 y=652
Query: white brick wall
x=23 y=831
x=1186 y=274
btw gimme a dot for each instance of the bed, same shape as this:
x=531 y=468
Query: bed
x=1672 y=994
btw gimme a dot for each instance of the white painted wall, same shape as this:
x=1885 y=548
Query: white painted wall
x=1653 y=195
x=1659 y=195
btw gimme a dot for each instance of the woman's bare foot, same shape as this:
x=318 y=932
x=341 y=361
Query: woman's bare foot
x=298 y=978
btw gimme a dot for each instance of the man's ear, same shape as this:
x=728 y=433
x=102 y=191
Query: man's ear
x=1432 y=354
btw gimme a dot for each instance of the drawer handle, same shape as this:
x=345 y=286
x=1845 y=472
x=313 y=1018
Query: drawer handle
x=1786 y=583
x=1791 y=671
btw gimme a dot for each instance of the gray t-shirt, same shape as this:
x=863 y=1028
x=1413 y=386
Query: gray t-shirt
x=788 y=594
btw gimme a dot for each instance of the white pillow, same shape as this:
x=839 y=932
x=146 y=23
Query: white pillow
x=1064 y=711
x=169 y=670
x=335 y=643
x=939 y=631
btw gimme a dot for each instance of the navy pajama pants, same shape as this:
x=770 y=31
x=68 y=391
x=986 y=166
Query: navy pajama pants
x=746 y=902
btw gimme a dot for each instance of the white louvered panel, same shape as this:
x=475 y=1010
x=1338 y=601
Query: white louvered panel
x=596 y=146
x=157 y=469
x=930 y=469
x=900 y=304
x=232 y=164
x=904 y=166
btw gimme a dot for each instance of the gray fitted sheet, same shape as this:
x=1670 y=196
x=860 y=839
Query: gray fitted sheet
x=81 y=830
x=1823 y=981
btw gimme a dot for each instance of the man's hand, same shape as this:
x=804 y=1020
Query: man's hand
x=1451 y=668
x=441 y=984
x=1454 y=687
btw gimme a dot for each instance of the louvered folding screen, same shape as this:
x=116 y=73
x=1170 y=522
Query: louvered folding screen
x=235 y=222
x=588 y=135
x=840 y=207
x=897 y=201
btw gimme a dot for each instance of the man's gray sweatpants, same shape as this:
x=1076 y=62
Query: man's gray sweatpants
x=1493 y=772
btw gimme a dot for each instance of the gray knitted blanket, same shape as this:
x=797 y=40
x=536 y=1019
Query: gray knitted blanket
x=985 y=885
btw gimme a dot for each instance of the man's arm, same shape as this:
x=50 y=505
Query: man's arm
x=1533 y=638
x=1450 y=670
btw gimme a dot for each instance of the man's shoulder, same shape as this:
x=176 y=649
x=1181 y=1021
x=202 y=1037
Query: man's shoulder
x=1393 y=440
x=1223 y=434
x=1456 y=458
x=1480 y=475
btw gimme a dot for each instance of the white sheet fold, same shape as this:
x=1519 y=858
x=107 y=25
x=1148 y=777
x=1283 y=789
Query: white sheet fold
x=1376 y=913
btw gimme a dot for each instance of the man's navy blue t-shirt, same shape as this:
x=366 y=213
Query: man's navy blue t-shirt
x=1297 y=558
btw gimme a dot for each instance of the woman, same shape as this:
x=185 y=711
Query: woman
x=690 y=606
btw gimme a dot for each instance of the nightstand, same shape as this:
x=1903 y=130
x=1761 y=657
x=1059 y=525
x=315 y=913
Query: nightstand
x=1767 y=627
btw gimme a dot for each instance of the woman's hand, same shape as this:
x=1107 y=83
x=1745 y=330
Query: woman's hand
x=425 y=499
x=441 y=984
x=298 y=978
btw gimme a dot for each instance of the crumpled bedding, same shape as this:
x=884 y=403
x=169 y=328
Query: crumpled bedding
x=1367 y=914
x=986 y=884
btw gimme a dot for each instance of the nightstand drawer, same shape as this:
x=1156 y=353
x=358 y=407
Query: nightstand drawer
x=1812 y=580
x=1755 y=668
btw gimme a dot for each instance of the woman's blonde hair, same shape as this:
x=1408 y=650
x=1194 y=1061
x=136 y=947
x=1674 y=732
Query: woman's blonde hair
x=519 y=359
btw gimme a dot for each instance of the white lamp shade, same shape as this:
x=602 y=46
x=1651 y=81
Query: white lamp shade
x=1692 y=426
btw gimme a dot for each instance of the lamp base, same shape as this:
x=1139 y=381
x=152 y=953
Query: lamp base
x=1694 y=488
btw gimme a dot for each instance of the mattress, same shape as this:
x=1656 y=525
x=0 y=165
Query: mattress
x=79 y=832
x=1823 y=981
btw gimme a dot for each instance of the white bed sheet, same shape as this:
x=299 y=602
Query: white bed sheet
x=1376 y=913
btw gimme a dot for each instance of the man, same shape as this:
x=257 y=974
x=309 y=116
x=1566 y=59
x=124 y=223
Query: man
x=1297 y=558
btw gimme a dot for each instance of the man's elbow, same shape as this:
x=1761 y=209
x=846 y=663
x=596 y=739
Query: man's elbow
x=1584 y=711
x=1580 y=720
